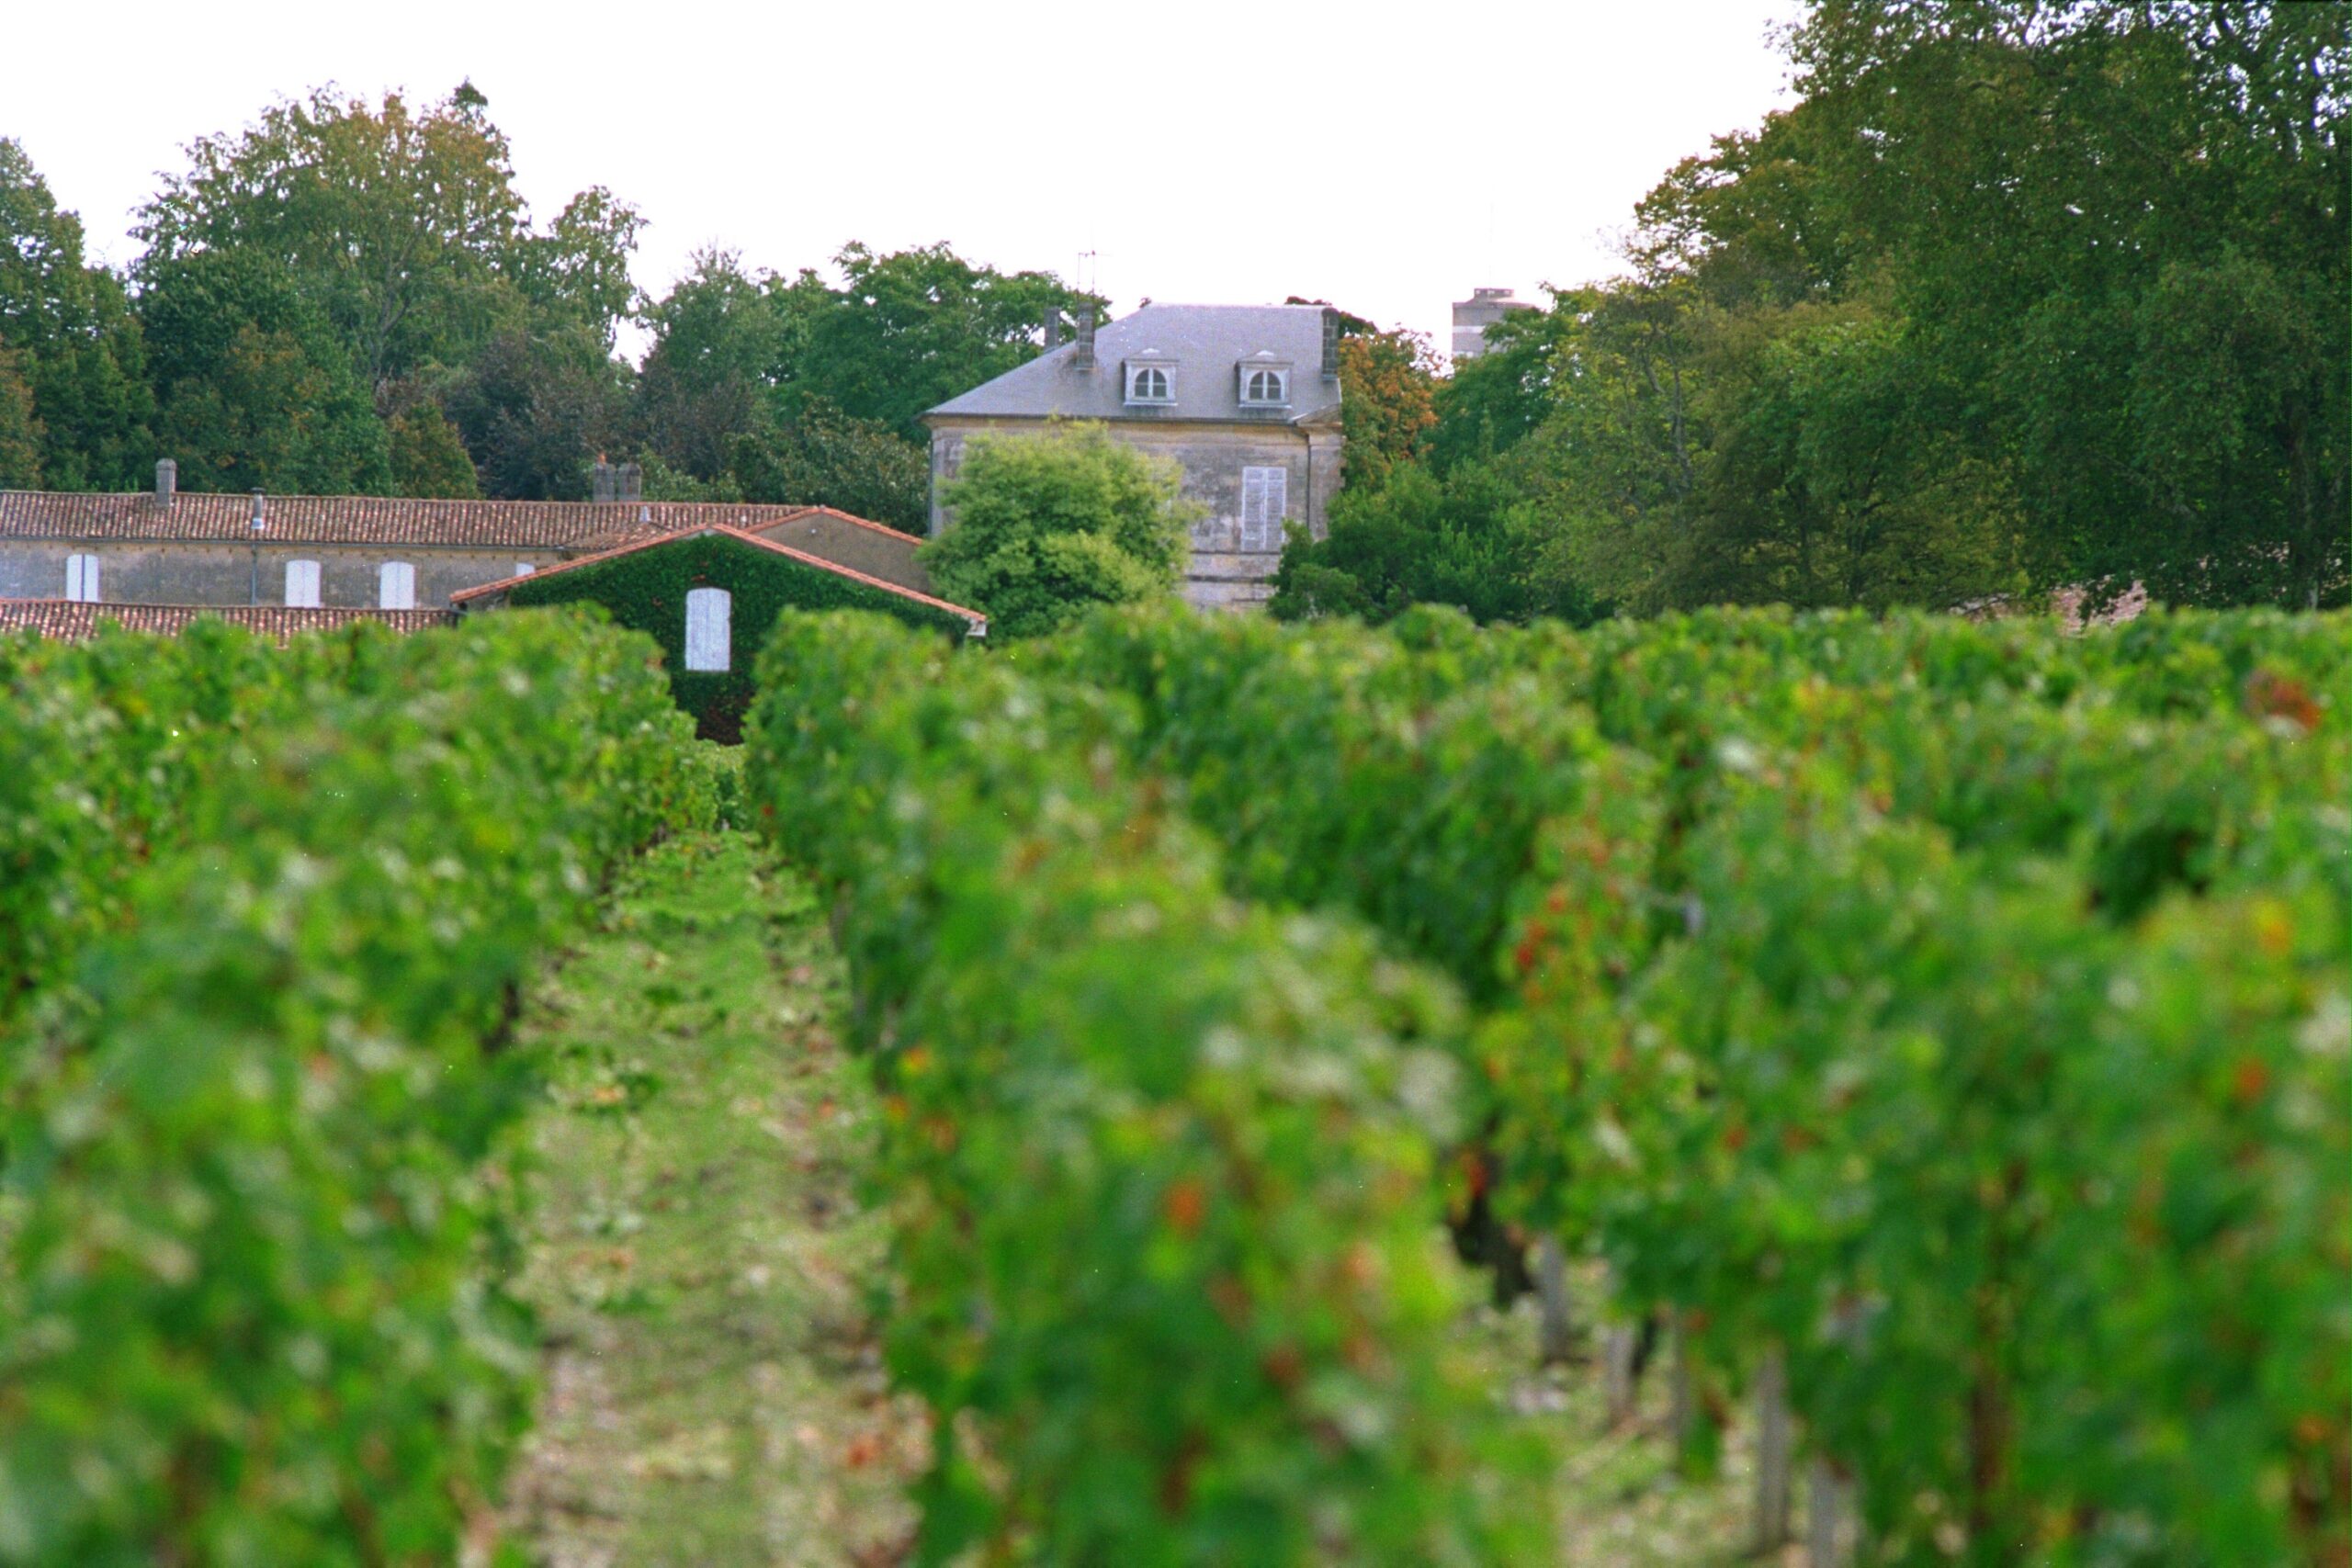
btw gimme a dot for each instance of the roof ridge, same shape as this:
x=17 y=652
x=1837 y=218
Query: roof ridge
x=466 y=595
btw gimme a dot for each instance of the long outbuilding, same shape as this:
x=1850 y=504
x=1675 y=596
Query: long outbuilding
x=166 y=547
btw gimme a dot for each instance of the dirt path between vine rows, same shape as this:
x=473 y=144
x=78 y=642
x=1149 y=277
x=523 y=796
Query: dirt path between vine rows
x=705 y=1276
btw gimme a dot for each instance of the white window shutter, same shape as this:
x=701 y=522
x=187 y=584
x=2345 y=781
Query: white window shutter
x=74 y=568
x=302 y=584
x=396 y=586
x=524 y=568
x=1264 y=498
x=708 y=610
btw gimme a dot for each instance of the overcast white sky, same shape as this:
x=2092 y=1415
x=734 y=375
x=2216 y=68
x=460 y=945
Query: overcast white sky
x=1384 y=159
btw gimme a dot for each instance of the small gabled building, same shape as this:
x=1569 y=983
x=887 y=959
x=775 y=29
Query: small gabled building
x=710 y=595
x=1244 y=398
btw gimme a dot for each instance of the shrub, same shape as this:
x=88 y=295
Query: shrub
x=1047 y=527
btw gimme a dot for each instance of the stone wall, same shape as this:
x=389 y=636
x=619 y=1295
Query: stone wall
x=1227 y=570
x=191 y=572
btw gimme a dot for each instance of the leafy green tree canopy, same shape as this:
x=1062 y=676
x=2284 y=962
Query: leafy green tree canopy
x=1046 y=527
x=2121 y=226
x=907 y=330
x=21 y=429
x=824 y=457
x=797 y=390
x=254 y=387
x=402 y=227
x=79 y=354
x=1470 y=539
x=427 y=457
x=535 y=410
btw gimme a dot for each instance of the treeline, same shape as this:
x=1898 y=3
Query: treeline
x=350 y=296
x=2014 y=297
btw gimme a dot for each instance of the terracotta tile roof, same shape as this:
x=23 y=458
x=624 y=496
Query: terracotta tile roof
x=374 y=519
x=71 y=621
x=464 y=596
x=800 y=512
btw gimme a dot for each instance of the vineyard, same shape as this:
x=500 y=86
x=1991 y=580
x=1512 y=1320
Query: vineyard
x=1926 y=1042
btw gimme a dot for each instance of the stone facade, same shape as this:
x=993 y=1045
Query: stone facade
x=191 y=572
x=1231 y=567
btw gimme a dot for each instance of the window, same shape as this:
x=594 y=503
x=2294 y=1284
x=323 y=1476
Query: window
x=524 y=568
x=396 y=586
x=708 y=610
x=302 y=584
x=1265 y=389
x=1265 y=494
x=82 y=579
x=1149 y=384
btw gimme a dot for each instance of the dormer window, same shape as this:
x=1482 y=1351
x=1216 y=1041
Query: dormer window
x=1261 y=381
x=1151 y=382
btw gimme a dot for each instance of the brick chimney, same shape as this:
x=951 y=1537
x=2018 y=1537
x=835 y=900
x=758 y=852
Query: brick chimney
x=1084 y=357
x=1052 y=337
x=632 y=478
x=167 y=481
x=602 y=482
x=1330 y=343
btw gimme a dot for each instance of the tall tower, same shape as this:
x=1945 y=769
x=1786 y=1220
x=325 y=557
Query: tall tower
x=1472 y=317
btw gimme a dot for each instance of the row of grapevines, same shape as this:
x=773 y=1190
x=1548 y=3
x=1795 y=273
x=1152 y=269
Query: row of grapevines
x=101 y=743
x=1155 y=1155
x=1557 y=817
x=249 y=1312
x=2042 y=1208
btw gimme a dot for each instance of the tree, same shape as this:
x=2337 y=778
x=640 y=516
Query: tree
x=427 y=457
x=78 y=350
x=253 y=390
x=20 y=430
x=2167 y=185
x=747 y=382
x=1387 y=393
x=1834 y=478
x=535 y=410
x=2014 y=297
x=1470 y=539
x=1046 y=526
x=401 y=228
x=708 y=379
x=823 y=458
x=907 y=330
x=1492 y=402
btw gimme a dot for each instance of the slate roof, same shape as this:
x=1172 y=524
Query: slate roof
x=378 y=520
x=1206 y=341
x=465 y=597
x=72 y=621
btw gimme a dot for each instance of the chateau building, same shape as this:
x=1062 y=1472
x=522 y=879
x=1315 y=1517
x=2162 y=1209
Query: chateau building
x=1244 y=398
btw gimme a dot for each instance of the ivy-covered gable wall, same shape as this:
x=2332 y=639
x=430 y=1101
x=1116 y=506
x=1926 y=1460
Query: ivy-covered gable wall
x=647 y=591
